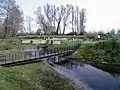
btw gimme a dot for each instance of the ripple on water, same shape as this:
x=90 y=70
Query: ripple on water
x=89 y=76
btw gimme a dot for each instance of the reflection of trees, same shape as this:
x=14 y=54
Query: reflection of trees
x=81 y=64
x=116 y=75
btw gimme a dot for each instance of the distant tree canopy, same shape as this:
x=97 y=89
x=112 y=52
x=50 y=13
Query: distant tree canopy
x=55 y=19
x=112 y=32
x=118 y=32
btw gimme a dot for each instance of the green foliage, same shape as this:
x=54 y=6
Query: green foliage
x=105 y=51
x=7 y=44
x=36 y=76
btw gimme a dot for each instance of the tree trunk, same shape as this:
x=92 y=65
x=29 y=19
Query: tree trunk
x=5 y=34
x=58 y=27
x=64 y=29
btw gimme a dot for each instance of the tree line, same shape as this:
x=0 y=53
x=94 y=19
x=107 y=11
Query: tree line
x=51 y=19
x=54 y=18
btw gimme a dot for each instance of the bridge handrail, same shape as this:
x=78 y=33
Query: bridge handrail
x=25 y=56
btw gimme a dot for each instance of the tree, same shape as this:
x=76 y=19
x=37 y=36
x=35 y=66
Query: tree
x=1 y=29
x=112 y=32
x=29 y=23
x=12 y=17
x=82 y=21
x=60 y=13
x=66 y=18
x=15 y=21
x=38 y=32
x=72 y=18
x=54 y=18
x=50 y=12
x=77 y=18
x=5 y=6
x=118 y=32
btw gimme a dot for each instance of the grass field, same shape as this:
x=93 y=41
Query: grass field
x=36 y=76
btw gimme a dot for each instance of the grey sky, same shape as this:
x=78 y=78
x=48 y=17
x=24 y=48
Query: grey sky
x=101 y=14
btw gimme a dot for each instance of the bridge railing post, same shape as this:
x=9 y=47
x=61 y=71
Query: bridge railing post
x=35 y=54
x=39 y=53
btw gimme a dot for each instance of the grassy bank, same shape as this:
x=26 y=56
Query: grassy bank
x=99 y=52
x=12 y=44
x=36 y=76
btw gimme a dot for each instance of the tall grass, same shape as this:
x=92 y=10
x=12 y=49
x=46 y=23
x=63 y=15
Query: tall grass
x=105 y=51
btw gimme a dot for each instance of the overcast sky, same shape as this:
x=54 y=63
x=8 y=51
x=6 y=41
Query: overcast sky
x=101 y=14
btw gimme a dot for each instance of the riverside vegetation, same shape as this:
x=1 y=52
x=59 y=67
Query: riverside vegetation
x=35 y=76
x=107 y=51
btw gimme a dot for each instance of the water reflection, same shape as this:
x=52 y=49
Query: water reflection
x=86 y=74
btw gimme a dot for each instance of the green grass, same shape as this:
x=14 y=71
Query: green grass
x=99 y=52
x=12 y=44
x=63 y=45
x=36 y=76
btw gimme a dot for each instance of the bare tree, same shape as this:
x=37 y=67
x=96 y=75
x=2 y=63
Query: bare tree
x=66 y=18
x=15 y=21
x=72 y=18
x=50 y=20
x=77 y=19
x=5 y=6
x=82 y=21
x=60 y=11
x=12 y=17
x=50 y=13
x=29 y=23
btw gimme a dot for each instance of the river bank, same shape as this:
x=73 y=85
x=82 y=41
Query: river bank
x=35 y=76
x=89 y=76
x=104 y=55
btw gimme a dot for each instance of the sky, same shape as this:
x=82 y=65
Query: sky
x=102 y=15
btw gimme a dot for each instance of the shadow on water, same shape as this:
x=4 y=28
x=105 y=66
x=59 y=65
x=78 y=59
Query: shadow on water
x=81 y=73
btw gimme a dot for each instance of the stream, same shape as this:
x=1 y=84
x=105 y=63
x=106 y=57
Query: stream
x=83 y=74
x=86 y=75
